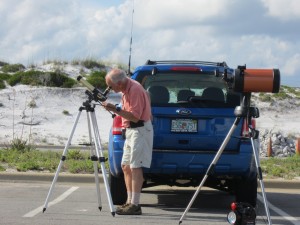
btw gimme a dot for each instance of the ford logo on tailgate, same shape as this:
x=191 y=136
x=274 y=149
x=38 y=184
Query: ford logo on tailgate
x=183 y=111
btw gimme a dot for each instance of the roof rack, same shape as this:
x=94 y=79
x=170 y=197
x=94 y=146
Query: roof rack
x=151 y=62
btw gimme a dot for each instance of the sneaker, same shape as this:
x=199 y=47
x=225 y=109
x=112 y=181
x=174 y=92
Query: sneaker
x=131 y=209
x=120 y=208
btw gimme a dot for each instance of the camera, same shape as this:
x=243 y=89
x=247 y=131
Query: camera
x=241 y=214
x=252 y=80
x=93 y=92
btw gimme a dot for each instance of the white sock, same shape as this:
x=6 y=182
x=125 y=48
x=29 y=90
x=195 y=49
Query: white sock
x=129 y=197
x=135 y=198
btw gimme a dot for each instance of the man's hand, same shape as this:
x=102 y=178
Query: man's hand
x=110 y=107
x=125 y=114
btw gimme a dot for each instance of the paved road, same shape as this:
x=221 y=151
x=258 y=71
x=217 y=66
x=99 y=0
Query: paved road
x=76 y=204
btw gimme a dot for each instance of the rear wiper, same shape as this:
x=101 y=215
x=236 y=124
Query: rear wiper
x=183 y=102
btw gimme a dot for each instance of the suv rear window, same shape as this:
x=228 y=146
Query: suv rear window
x=189 y=89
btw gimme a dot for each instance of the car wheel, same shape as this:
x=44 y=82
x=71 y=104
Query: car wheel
x=246 y=191
x=117 y=189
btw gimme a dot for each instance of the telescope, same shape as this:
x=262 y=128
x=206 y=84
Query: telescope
x=95 y=93
x=253 y=80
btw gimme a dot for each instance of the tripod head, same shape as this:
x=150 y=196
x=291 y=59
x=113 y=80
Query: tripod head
x=94 y=94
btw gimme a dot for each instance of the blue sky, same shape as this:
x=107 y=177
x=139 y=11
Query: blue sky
x=258 y=33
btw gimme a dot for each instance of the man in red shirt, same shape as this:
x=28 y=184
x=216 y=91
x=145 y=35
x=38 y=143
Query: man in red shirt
x=136 y=119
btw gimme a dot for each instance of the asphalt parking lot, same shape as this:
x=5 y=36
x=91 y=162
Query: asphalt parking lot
x=74 y=201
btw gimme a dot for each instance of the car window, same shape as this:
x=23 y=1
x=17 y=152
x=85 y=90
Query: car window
x=191 y=89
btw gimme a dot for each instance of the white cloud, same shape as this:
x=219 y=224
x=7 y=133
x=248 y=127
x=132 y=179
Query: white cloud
x=177 y=13
x=283 y=9
x=291 y=65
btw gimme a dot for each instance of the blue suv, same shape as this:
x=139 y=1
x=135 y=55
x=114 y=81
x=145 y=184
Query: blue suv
x=193 y=110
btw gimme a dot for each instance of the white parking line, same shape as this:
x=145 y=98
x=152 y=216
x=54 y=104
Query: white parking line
x=286 y=216
x=55 y=201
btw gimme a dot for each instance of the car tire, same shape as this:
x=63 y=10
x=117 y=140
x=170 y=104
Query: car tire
x=118 y=189
x=246 y=189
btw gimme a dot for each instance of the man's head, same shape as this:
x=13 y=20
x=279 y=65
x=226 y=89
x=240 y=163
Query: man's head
x=116 y=79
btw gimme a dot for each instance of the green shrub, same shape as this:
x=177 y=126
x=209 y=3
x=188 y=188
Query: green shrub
x=15 y=79
x=75 y=154
x=66 y=112
x=92 y=63
x=3 y=77
x=282 y=95
x=288 y=167
x=38 y=78
x=31 y=77
x=32 y=104
x=2 y=168
x=3 y=63
x=76 y=161
x=2 y=84
x=97 y=79
x=79 y=166
x=20 y=145
x=292 y=90
x=12 y=68
x=264 y=97
x=57 y=80
x=69 y=83
x=28 y=165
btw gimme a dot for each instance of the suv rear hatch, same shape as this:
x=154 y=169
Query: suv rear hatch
x=192 y=108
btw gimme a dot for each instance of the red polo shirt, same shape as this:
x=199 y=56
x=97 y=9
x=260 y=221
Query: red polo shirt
x=136 y=100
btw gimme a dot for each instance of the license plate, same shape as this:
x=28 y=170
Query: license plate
x=184 y=125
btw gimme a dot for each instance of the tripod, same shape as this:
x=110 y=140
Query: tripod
x=246 y=112
x=96 y=154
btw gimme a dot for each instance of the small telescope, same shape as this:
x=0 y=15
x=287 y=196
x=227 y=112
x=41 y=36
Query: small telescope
x=95 y=93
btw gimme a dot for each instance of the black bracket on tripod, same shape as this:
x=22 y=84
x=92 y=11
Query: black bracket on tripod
x=244 y=110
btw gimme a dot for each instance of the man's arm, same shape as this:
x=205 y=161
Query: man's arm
x=125 y=114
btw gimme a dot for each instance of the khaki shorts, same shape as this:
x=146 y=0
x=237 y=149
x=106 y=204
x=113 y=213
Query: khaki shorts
x=137 y=151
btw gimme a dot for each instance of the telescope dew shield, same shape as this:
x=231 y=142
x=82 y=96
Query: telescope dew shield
x=85 y=83
x=97 y=95
x=257 y=80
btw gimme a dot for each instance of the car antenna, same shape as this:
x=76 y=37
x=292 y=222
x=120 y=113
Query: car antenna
x=129 y=61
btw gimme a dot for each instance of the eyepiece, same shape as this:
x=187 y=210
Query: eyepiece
x=106 y=91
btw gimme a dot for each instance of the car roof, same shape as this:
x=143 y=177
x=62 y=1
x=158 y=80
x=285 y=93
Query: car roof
x=167 y=65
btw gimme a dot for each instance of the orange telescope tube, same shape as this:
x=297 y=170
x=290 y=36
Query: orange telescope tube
x=257 y=80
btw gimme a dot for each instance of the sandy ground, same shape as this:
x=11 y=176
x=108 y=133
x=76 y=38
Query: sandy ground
x=46 y=116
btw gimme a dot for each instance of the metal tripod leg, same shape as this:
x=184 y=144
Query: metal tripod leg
x=99 y=152
x=212 y=166
x=94 y=158
x=260 y=178
x=93 y=130
x=61 y=161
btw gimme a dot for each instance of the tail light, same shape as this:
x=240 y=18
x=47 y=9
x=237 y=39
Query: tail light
x=117 y=126
x=245 y=130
